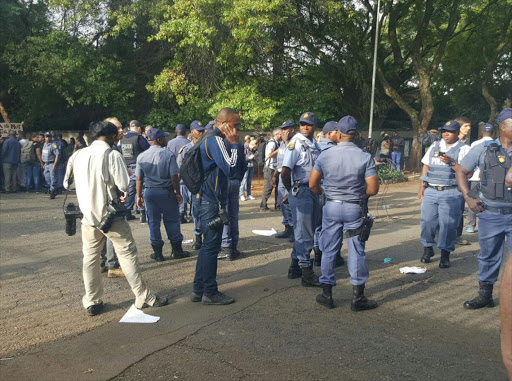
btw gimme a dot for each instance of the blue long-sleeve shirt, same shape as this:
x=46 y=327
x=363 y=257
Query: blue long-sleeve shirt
x=221 y=162
x=11 y=151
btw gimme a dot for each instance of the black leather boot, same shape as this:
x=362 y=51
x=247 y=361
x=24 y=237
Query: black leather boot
x=484 y=298
x=318 y=256
x=233 y=253
x=288 y=230
x=294 y=271
x=143 y=218
x=183 y=218
x=198 y=243
x=325 y=298
x=428 y=252
x=177 y=250
x=157 y=253
x=444 y=263
x=359 y=301
x=309 y=279
x=339 y=260
x=291 y=238
x=52 y=194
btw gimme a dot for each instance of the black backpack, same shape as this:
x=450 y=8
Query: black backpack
x=260 y=153
x=191 y=170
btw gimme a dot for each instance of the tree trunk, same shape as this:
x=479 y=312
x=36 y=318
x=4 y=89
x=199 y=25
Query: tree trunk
x=491 y=101
x=3 y=112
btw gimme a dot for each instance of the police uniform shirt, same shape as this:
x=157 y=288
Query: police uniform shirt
x=474 y=159
x=476 y=173
x=325 y=143
x=464 y=149
x=156 y=165
x=300 y=157
x=280 y=156
x=175 y=144
x=182 y=151
x=345 y=168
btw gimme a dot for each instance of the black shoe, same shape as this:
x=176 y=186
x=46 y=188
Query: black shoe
x=294 y=271
x=95 y=309
x=309 y=279
x=218 y=299
x=159 y=302
x=277 y=207
x=198 y=243
x=52 y=197
x=143 y=218
x=137 y=211
x=360 y=302
x=444 y=263
x=288 y=231
x=129 y=216
x=339 y=260
x=484 y=298
x=428 y=252
x=264 y=209
x=291 y=238
x=177 y=251
x=233 y=254
x=325 y=298
x=157 y=253
x=318 y=256
x=183 y=218
x=196 y=297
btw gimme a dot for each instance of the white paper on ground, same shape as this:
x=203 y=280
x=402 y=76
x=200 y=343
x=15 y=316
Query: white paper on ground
x=412 y=270
x=188 y=241
x=266 y=233
x=134 y=315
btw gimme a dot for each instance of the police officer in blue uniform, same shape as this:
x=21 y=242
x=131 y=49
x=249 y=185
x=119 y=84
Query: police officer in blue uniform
x=326 y=142
x=440 y=208
x=132 y=145
x=174 y=146
x=492 y=200
x=349 y=179
x=231 y=233
x=299 y=159
x=197 y=129
x=158 y=169
x=51 y=155
x=287 y=133
x=217 y=160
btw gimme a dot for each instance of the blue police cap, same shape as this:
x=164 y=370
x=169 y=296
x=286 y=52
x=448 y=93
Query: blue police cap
x=451 y=125
x=506 y=113
x=180 y=127
x=135 y=123
x=47 y=133
x=209 y=126
x=308 y=118
x=155 y=133
x=348 y=125
x=287 y=124
x=488 y=128
x=329 y=126
x=196 y=125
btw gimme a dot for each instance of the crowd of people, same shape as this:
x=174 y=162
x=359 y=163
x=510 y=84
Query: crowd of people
x=322 y=185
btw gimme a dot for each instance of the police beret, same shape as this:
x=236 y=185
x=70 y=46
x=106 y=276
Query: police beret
x=180 y=127
x=308 y=118
x=329 y=126
x=451 y=125
x=348 y=125
x=287 y=124
x=197 y=125
x=155 y=133
x=506 y=113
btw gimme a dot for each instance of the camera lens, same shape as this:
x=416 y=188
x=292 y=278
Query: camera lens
x=215 y=224
x=70 y=225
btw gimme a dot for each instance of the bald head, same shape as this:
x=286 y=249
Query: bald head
x=114 y=121
x=226 y=114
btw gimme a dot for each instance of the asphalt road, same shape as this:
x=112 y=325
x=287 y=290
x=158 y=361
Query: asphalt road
x=274 y=331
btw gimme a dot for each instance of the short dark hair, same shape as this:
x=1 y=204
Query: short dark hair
x=98 y=129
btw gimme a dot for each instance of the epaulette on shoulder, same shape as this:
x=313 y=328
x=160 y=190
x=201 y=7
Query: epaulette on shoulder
x=181 y=149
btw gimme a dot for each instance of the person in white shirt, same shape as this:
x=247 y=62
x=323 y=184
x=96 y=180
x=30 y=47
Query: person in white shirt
x=99 y=173
x=271 y=150
x=487 y=132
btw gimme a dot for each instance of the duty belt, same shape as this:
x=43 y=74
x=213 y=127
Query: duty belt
x=442 y=187
x=49 y=162
x=344 y=201
x=498 y=210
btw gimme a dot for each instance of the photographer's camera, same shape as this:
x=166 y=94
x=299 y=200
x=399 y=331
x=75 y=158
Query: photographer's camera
x=218 y=222
x=71 y=214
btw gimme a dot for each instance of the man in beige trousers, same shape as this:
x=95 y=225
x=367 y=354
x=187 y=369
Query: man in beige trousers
x=98 y=173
